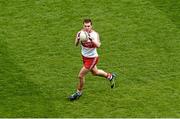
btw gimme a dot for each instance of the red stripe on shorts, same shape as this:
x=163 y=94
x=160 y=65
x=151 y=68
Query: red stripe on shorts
x=89 y=63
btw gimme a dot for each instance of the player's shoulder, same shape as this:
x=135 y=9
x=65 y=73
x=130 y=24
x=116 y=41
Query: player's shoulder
x=95 y=32
x=79 y=32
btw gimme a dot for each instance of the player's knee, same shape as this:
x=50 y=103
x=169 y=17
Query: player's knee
x=80 y=76
x=95 y=73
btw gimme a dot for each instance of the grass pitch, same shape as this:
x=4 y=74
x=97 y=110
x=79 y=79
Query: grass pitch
x=39 y=62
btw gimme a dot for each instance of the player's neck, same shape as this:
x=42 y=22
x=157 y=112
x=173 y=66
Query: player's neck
x=91 y=31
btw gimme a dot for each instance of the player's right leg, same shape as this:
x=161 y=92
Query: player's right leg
x=80 y=85
x=81 y=77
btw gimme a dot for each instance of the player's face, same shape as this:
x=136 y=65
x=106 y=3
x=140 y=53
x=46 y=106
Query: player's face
x=87 y=27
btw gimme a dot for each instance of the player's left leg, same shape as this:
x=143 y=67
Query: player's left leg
x=99 y=72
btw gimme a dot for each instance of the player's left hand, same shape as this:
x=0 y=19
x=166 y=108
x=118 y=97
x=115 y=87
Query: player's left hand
x=89 y=37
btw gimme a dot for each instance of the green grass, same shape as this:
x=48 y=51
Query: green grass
x=39 y=62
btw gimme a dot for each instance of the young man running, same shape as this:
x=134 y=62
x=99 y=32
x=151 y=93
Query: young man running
x=90 y=58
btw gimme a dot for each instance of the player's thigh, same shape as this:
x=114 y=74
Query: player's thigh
x=83 y=71
x=94 y=70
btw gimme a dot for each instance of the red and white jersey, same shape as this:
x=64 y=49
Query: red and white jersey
x=88 y=48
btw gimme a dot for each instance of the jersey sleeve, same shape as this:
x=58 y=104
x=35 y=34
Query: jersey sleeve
x=78 y=35
x=96 y=37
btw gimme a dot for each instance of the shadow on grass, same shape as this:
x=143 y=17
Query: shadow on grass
x=19 y=96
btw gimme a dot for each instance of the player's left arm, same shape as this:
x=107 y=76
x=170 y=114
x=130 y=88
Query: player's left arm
x=96 y=40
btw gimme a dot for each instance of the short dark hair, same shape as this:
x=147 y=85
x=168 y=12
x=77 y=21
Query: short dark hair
x=87 y=21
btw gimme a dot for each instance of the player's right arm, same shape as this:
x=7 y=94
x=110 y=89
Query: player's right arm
x=77 y=39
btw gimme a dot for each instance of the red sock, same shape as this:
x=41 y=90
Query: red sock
x=109 y=76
